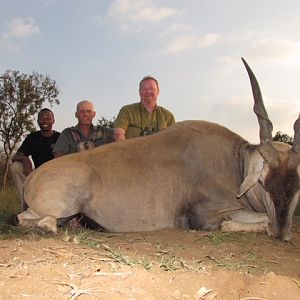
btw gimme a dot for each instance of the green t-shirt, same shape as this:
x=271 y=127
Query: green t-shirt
x=134 y=119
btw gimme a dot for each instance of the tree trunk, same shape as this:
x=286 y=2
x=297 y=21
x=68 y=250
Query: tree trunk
x=5 y=173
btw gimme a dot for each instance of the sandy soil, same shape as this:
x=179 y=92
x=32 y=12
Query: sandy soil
x=170 y=264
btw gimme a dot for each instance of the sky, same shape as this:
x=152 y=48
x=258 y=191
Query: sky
x=100 y=49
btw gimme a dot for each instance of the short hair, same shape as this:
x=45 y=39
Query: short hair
x=45 y=110
x=148 y=77
x=85 y=101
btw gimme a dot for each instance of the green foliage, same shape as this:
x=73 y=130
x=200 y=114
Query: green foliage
x=21 y=97
x=284 y=138
x=106 y=122
x=217 y=238
x=8 y=204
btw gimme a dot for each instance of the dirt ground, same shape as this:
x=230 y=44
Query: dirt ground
x=169 y=264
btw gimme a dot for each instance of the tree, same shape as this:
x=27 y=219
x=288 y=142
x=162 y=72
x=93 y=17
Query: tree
x=106 y=122
x=284 y=138
x=21 y=97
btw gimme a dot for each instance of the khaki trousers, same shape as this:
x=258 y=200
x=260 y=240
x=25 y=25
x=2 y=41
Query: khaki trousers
x=18 y=176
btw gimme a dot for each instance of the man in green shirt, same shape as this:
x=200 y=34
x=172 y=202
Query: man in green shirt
x=144 y=117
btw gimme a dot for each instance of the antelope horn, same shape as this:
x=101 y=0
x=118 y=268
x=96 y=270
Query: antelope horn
x=294 y=158
x=265 y=125
x=296 y=143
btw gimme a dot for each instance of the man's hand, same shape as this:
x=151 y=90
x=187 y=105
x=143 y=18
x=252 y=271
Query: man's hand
x=27 y=165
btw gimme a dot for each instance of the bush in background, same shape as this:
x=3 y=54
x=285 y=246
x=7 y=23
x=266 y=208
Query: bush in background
x=8 y=204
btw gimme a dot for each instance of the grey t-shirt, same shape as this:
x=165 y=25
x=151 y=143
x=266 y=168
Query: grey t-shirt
x=72 y=140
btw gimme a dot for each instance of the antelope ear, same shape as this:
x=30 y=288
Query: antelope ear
x=269 y=154
x=248 y=182
x=294 y=157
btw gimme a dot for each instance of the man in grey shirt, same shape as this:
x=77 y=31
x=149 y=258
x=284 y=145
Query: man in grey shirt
x=84 y=135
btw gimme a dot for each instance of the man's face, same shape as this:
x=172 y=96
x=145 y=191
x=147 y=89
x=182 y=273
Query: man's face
x=149 y=92
x=45 y=120
x=85 y=113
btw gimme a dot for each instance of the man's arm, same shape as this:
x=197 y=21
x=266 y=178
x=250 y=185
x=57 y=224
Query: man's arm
x=27 y=165
x=58 y=154
x=119 y=134
x=61 y=146
x=121 y=124
x=169 y=117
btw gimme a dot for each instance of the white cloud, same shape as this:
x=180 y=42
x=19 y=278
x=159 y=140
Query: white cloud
x=175 y=28
x=5 y=44
x=18 y=29
x=23 y=28
x=241 y=37
x=139 y=11
x=275 y=50
x=238 y=116
x=190 y=41
x=258 y=48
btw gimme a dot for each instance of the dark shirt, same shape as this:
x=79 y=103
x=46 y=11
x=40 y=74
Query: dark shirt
x=39 y=147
